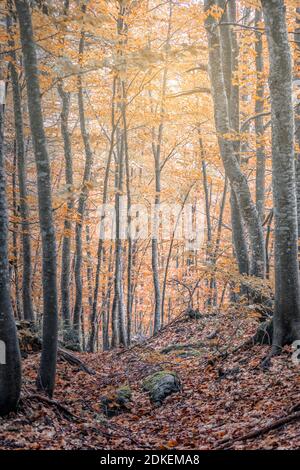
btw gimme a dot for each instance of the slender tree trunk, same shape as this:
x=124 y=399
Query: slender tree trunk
x=259 y=121
x=81 y=203
x=120 y=163
x=129 y=234
x=46 y=376
x=297 y=117
x=89 y=267
x=229 y=47
x=206 y=193
x=269 y=223
x=118 y=313
x=238 y=236
x=91 y=343
x=106 y=296
x=170 y=249
x=237 y=179
x=286 y=320
x=156 y=147
x=15 y=238
x=10 y=359
x=21 y=165
x=215 y=254
x=66 y=244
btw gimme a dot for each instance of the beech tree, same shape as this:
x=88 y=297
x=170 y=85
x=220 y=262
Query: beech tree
x=21 y=166
x=126 y=119
x=10 y=361
x=237 y=179
x=46 y=375
x=82 y=199
x=297 y=113
x=286 y=320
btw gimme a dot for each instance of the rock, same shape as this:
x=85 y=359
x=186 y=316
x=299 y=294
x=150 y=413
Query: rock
x=160 y=385
x=116 y=401
x=138 y=339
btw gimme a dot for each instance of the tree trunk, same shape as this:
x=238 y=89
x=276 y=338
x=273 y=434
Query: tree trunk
x=81 y=204
x=91 y=343
x=21 y=165
x=129 y=234
x=228 y=152
x=286 y=319
x=10 y=359
x=46 y=377
x=15 y=238
x=238 y=237
x=156 y=147
x=118 y=313
x=259 y=121
x=297 y=114
x=66 y=244
x=230 y=52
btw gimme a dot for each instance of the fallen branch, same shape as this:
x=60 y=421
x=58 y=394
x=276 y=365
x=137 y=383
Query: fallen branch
x=74 y=360
x=227 y=442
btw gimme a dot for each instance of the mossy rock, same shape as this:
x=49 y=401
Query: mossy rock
x=160 y=385
x=116 y=401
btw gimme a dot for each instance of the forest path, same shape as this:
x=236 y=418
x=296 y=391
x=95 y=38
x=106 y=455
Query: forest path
x=219 y=399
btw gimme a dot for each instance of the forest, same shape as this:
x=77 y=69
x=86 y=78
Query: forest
x=149 y=225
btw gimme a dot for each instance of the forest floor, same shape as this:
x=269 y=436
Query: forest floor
x=221 y=397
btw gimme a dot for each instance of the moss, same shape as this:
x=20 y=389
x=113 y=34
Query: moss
x=152 y=380
x=124 y=393
x=160 y=385
x=116 y=401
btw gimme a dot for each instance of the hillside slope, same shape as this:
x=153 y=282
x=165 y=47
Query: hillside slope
x=223 y=395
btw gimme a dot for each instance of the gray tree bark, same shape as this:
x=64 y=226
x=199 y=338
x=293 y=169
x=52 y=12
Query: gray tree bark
x=92 y=338
x=21 y=166
x=81 y=204
x=237 y=179
x=46 y=375
x=10 y=359
x=286 y=320
x=156 y=148
x=118 y=312
x=259 y=121
x=297 y=114
x=230 y=50
x=15 y=237
x=66 y=244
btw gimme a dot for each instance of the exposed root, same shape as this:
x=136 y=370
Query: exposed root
x=74 y=360
x=61 y=408
x=264 y=334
